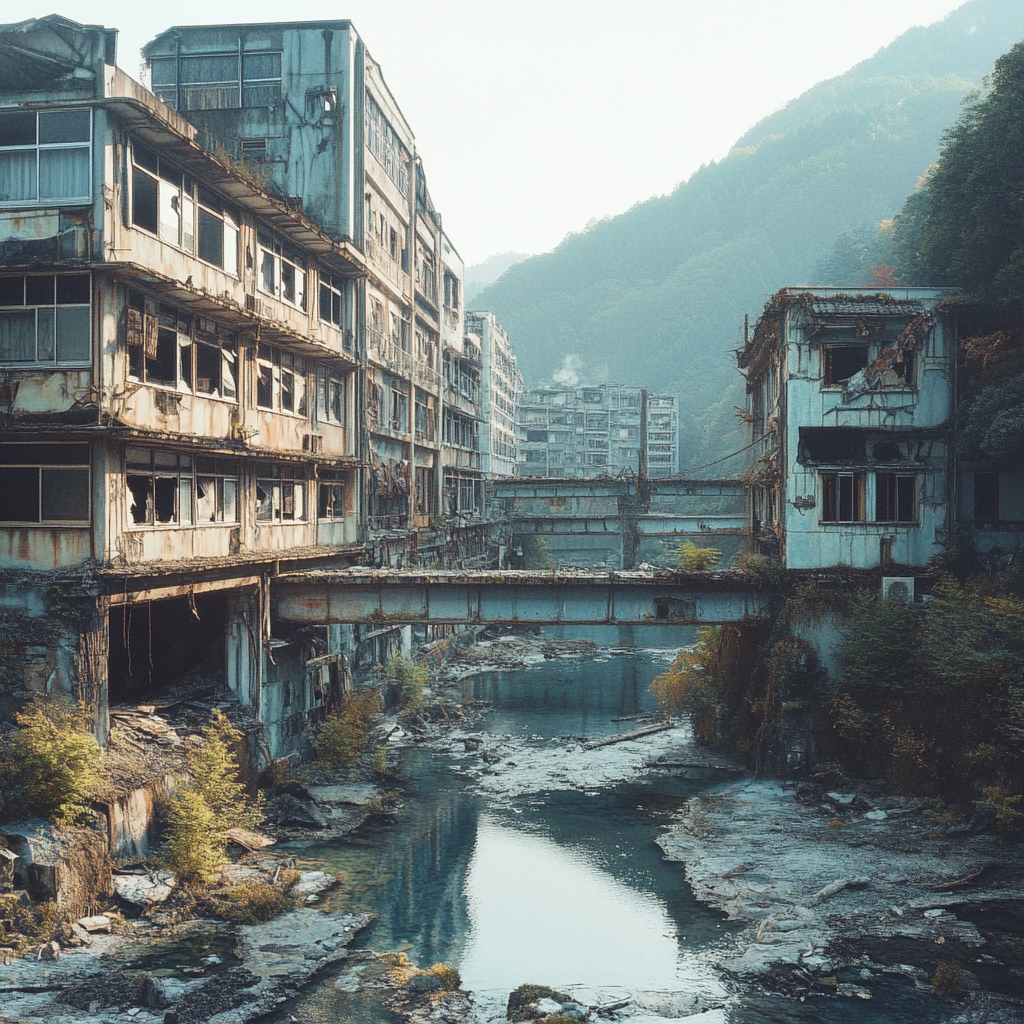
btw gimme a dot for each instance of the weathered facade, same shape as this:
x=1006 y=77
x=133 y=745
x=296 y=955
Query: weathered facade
x=597 y=431
x=304 y=106
x=851 y=402
x=181 y=415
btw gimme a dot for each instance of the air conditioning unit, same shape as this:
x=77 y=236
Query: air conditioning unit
x=898 y=589
x=313 y=443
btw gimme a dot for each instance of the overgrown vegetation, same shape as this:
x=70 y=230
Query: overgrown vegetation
x=403 y=681
x=253 y=904
x=211 y=802
x=49 y=764
x=689 y=557
x=536 y=552
x=928 y=698
x=521 y=999
x=347 y=732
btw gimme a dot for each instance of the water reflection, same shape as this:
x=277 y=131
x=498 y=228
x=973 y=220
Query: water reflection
x=540 y=911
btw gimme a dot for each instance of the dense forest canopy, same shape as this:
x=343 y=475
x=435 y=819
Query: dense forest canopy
x=657 y=295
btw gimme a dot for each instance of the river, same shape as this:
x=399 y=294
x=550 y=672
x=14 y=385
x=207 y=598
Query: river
x=563 y=887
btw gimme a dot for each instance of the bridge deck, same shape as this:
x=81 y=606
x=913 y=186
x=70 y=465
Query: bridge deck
x=524 y=597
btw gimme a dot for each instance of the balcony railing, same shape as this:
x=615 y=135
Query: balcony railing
x=383 y=259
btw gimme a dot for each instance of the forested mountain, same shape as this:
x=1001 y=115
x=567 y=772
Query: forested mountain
x=657 y=295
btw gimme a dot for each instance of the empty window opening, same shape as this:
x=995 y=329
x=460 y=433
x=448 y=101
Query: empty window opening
x=843 y=361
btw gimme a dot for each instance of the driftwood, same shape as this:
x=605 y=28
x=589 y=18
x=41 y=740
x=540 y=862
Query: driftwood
x=831 y=890
x=966 y=880
x=647 y=730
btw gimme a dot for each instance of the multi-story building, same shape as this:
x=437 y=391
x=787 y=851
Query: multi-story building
x=851 y=400
x=500 y=396
x=181 y=404
x=596 y=431
x=303 y=107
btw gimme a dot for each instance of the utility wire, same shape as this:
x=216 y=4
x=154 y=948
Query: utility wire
x=740 y=451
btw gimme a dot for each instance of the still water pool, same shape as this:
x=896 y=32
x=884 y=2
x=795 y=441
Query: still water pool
x=564 y=888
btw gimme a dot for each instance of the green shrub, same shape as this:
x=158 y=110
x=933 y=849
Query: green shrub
x=410 y=678
x=196 y=845
x=694 y=559
x=950 y=980
x=213 y=801
x=253 y=904
x=380 y=759
x=346 y=733
x=49 y=764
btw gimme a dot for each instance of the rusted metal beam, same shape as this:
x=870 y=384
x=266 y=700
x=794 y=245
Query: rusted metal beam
x=523 y=597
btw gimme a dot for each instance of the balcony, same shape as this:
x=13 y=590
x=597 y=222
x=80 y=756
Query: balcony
x=387 y=263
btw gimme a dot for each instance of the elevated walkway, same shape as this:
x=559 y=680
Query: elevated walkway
x=578 y=597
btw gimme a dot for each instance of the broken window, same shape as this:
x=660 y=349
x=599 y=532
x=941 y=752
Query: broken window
x=168 y=202
x=425 y=497
x=332 y=494
x=895 y=498
x=986 y=497
x=451 y=291
x=842 y=498
x=160 y=348
x=159 y=487
x=216 y=362
x=45 y=155
x=44 y=483
x=281 y=381
x=330 y=392
x=841 y=362
x=280 y=494
x=216 y=489
x=331 y=302
x=282 y=269
x=45 y=319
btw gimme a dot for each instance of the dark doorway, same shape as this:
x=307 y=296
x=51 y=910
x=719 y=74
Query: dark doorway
x=160 y=649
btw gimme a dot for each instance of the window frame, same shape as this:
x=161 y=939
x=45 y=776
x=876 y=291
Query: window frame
x=38 y=148
x=192 y=200
x=23 y=462
x=832 y=498
x=277 y=476
x=56 y=305
x=174 y=91
x=331 y=485
x=283 y=364
x=273 y=246
x=829 y=348
x=891 y=496
x=187 y=472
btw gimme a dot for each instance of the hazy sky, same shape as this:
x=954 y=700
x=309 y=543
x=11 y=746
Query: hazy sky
x=535 y=117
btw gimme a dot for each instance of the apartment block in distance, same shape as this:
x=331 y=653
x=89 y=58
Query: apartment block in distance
x=179 y=367
x=596 y=431
x=304 y=107
x=501 y=394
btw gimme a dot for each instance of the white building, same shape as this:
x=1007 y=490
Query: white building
x=500 y=395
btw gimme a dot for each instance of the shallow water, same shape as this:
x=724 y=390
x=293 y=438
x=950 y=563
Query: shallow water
x=564 y=888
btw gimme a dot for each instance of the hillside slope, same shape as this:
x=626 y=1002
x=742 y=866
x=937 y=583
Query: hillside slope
x=657 y=295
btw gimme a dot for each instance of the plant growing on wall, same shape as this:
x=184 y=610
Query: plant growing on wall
x=49 y=764
x=347 y=732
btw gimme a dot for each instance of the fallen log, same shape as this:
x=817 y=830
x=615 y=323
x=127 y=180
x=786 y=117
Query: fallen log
x=622 y=737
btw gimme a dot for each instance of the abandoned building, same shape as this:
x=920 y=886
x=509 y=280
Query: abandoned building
x=180 y=385
x=596 y=431
x=500 y=394
x=851 y=401
x=304 y=106
x=232 y=342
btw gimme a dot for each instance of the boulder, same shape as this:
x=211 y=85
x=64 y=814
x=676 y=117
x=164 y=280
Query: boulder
x=312 y=882
x=145 y=890
x=95 y=923
x=154 y=994
x=424 y=983
x=49 y=951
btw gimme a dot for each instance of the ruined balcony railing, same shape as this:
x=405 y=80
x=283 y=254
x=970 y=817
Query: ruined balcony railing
x=387 y=351
x=426 y=374
x=396 y=522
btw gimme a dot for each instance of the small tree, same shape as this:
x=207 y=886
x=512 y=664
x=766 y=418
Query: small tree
x=195 y=843
x=694 y=559
x=213 y=801
x=49 y=764
x=346 y=733
x=214 y=770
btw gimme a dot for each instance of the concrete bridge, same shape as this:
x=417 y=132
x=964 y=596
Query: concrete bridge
x=592 y=518
x=578 y=597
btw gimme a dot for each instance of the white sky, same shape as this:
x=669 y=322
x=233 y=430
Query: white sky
x=535 y=117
